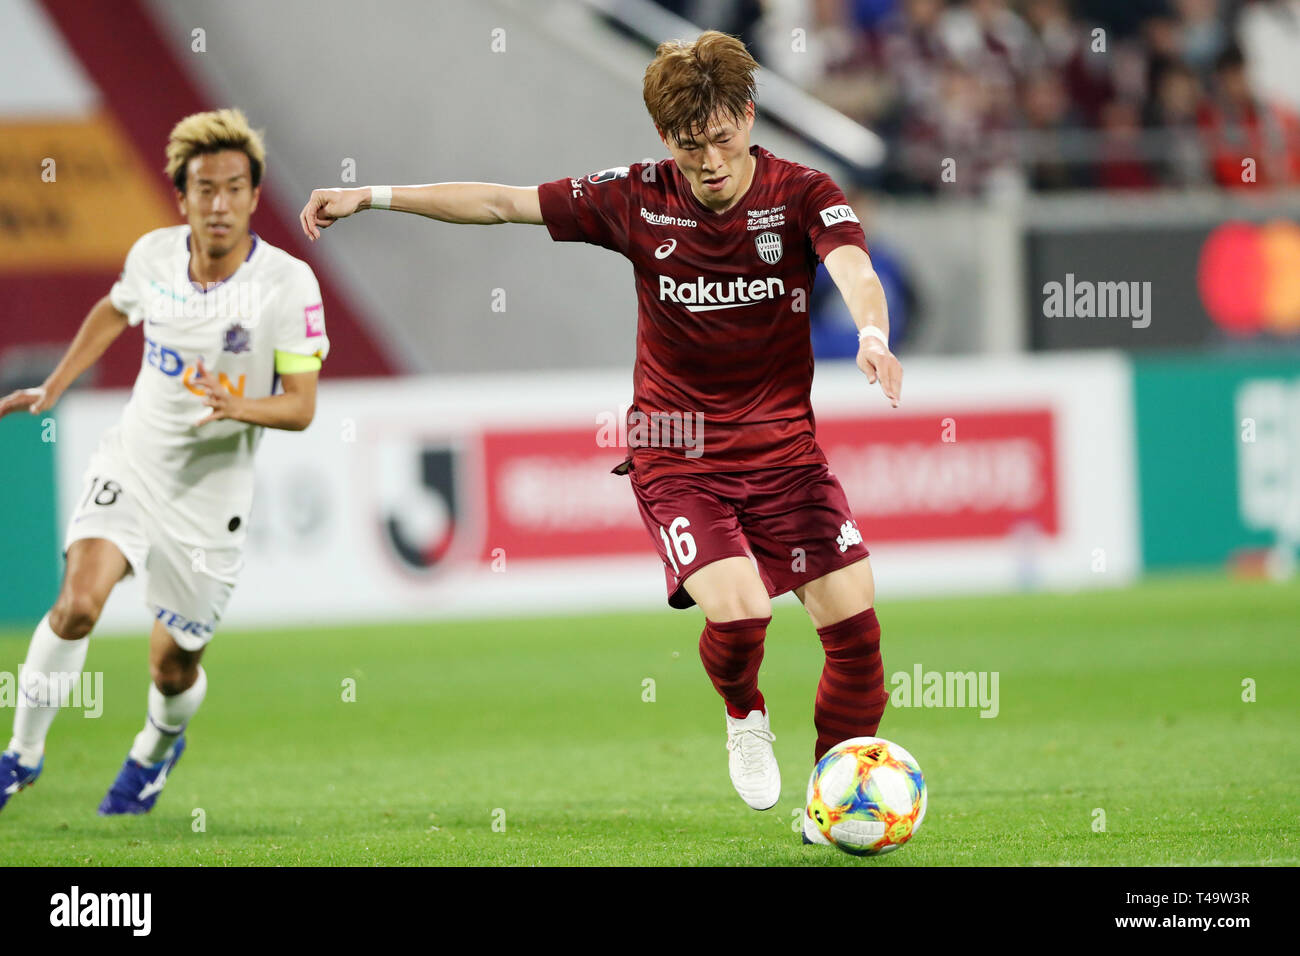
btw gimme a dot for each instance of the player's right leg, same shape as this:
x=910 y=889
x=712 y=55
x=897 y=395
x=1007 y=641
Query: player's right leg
x=705 y=562
x=737 y=611
x=56 y=656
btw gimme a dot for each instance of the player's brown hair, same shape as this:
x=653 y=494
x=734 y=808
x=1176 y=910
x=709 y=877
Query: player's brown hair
x=688 y=82
x=212 y=132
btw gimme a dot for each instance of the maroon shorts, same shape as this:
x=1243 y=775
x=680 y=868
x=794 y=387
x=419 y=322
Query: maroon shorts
x=795 y=521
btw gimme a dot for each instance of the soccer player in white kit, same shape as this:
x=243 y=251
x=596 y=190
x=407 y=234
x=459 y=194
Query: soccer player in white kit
x=226 y=317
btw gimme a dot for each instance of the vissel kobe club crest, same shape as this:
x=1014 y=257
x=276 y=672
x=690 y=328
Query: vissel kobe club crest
x=769 y=247
x=236 y=339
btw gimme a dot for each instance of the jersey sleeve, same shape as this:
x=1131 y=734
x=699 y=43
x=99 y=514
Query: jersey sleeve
x=127 y=295
x=592 y=209
x=300 y=320
x=830 y=219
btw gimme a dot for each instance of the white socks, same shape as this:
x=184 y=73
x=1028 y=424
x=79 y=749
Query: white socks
x=41 y=695
x=53 y=666
x=166 y=720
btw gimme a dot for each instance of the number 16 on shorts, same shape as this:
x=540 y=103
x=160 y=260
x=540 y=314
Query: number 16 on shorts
x=679 y=545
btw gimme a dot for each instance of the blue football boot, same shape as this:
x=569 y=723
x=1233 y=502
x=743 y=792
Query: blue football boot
x=14 y=776
x=137 y=787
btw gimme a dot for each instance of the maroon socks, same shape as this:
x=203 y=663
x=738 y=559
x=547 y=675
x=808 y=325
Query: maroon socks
x=732 y=652
x=851 y=696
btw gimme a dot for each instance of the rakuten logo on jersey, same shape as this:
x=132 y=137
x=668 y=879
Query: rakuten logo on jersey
x=700 y=295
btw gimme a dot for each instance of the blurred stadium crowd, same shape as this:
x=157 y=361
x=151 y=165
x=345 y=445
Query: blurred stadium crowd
x=1046 y=95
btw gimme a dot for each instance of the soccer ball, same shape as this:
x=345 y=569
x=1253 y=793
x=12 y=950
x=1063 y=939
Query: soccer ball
x=867 y=796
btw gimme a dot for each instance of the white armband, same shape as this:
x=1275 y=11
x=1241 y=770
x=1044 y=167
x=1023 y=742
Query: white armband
x=381 y=197
x=873 y=332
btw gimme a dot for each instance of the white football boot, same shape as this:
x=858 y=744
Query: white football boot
x=752 y=763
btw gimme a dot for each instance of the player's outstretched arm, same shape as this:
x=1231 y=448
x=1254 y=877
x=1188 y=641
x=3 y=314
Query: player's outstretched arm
x=100 y=328
x=858 y=283
x=478 y=203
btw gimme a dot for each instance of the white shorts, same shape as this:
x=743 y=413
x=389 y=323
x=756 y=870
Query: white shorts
x=186 y=588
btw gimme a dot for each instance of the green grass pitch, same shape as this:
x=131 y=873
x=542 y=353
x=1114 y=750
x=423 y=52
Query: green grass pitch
x=528 y=742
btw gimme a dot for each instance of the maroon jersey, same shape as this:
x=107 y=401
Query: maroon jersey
x=723 y=349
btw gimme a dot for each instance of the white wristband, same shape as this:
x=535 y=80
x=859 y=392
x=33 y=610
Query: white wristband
x=873 y=332
x=381 y=197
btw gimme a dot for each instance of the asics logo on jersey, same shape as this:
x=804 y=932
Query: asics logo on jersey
x=666 y=249
x=700 y=295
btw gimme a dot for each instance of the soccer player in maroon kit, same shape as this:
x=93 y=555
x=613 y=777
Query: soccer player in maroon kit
x=724 y=239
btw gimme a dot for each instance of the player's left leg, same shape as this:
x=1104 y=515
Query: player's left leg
x=851 y=695
x=177 y=687
x=805 y=540
x=188 y=590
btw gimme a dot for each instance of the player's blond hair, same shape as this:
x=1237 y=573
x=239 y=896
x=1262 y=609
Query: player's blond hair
x=688 y=82
x=212 y=132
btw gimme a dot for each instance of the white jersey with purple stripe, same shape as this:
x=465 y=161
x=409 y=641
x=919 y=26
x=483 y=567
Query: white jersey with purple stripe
x=203 y=477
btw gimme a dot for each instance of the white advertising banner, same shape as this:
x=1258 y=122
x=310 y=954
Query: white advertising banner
x=424 y=498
